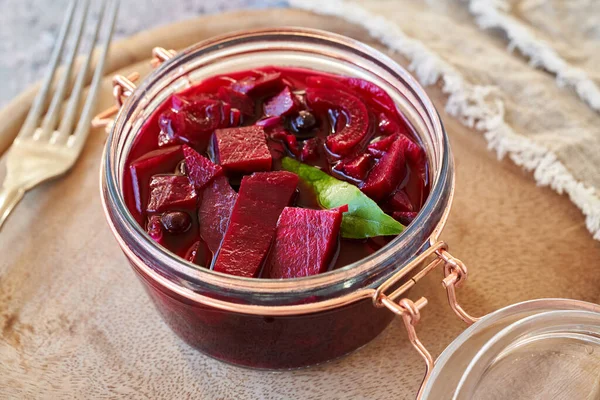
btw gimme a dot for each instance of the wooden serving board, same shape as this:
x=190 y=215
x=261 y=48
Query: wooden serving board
x=75 y=322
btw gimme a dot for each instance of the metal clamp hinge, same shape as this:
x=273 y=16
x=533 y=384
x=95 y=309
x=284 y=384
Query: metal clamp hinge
x=123 y=87
x=455 y=274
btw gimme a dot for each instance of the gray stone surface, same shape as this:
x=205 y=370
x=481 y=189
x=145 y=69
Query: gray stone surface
x=28 y=29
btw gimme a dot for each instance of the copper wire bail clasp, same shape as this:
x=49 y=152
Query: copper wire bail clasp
x=455 y=274
x=123 y=87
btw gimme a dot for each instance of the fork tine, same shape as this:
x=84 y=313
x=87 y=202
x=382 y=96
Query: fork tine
x=83 y=126
x=68 y=120
x=51 y=118
x=38 y=103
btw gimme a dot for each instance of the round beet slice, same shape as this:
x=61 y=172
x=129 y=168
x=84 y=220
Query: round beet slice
x=355 y=111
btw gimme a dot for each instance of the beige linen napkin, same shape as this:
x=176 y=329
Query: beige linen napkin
x=525 y=73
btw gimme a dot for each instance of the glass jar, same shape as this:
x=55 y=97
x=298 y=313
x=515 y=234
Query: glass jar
x=538 y=349
x=289 y=323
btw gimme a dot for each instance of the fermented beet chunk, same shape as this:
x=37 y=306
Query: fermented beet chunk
x=260 y=86
x=155 y=162
x=218 y=199
x=200 y=170
x=168 y=192
x=193 y=123
x=310 y=151
x=387 y=173
x=199 y=254
x=243 y=150
x=287 y=138
x=261 y=199
x=414 y=154
x=282 y=104
x=379 y=147
x=155 y=229
x=358 y=167
x=404 y=217
x=305 y=243
x=269 y=122
x=237 y=100
x=400 y=202
x=389 y=126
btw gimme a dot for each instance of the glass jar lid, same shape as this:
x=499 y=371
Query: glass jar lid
x=539 y=349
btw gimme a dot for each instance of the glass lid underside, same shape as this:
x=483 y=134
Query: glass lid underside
x=536 y=350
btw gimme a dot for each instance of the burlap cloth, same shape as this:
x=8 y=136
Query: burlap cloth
x=75 y=323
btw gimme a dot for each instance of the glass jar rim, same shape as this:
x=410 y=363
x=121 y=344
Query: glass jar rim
x=443 y=177
x=522 y=313
x=551 y=324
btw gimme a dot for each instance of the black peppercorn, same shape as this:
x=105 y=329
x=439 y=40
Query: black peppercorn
x=304 y=121
x=176 y=221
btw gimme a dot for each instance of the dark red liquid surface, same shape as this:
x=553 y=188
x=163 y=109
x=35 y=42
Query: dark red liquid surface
x=306 y=131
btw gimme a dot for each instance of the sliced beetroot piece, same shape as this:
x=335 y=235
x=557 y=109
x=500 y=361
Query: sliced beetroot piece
x=415 y=190
x=341 y=209
x=199 y=254
x=290 y=140
x=282 y=104
x=269 y=122
x=310 y=151
x=416 y=159
x=388 y=126
x=193 y=124
x=159 y=161
x=155 y=229
x=379 y=147
x=178 y=102
x=404 y=217
x=413 y=152
x=277 y=149
x=180 y=99
x=237 y=100
x=278 y=134
x=243 y=149
x=387 y=173
x=259 y=86
x=292 y=144
x=200 y=170
x=358 y=167
x=218 y=199
x=305 y=243
x=261 y=199
x=399 y=202
x=357 y=117
x=235 y=117
x=169 y=192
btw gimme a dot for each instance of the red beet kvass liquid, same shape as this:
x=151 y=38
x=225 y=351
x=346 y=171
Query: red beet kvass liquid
x=311 y=108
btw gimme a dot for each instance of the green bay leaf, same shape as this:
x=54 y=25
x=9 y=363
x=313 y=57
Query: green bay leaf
x=364 y=217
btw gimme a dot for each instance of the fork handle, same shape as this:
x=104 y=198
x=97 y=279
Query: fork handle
x=9 y=198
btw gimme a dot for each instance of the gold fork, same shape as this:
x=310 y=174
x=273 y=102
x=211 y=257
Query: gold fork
x=42 y=151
